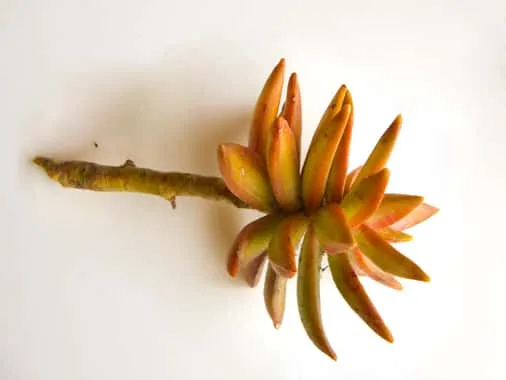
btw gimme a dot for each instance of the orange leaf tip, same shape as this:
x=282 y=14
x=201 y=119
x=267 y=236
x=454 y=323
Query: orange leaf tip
x=319 y=159
x=266 y=109
x=283 y=166
x=379 y=156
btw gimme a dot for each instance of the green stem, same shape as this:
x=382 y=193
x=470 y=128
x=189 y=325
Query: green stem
x=128 y=177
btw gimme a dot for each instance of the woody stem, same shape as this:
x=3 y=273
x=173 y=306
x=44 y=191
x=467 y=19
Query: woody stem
x=128 y=177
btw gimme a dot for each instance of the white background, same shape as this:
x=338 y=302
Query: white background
x=119 y=286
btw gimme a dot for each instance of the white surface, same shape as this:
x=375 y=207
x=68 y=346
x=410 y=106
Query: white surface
x=113 y=286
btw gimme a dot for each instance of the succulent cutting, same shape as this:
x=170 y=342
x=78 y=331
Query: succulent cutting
x=315 y=203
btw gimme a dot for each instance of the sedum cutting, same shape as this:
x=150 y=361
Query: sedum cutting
x=315 y=202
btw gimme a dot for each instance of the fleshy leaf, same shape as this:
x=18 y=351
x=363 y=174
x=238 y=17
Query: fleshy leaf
x=252 y=240
x=368 y=268
x=392 y=208
x=418 y=215
x=253 y=271
x=332 y=229
x=319 y=159
x=275 y=296
x=282 y=246
x=387 y=257
x=335 y=105
x=394 y=236
x=245 y=175
x=283 y=166
x=364 y=199
x=232 y=263
x=356 y=267
x=308 y=292
x=337 y=175
x=379 y=156
x=292 y=110
x=355 y=295
x=350 y=179
x=266 y=110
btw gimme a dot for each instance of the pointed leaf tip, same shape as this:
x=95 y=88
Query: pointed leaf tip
x=308 y=292
x=333 y=108
x=292 y=111
x=337 y=176
x=266 y=109
x=283 y=166
x=379 y=156
x=393 y=207
x=319 y=159
x=355 y=295
x=232 y=263
x=420 y=214
x=275 y=296
x=364 y=199
x=386 y=257
x=364 y=266
x=245 y=176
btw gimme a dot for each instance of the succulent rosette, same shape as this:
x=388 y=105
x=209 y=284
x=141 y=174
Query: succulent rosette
x=317 y=205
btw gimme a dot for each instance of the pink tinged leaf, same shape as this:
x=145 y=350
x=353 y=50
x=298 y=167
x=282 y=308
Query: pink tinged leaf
x=275 y=296
x=281 y=250
x=319 y=159
x=245 y=175
x=371 y=270
x=392 y=208
x=354 y=264
x=378 y=158
x=394 y=236
x=266 y=110
x=355 y=295
x=364 y=199
x=386 y=257
x=308 y=292
x=292 y=111
x=337 y=175
x=332 y=229
x=418 y=215
x=283 y=166
x=253 y=271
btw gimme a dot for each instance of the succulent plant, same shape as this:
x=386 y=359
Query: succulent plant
x=318 y=205
x=315 y=204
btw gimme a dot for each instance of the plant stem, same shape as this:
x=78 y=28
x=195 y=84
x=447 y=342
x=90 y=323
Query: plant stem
x=128 y=177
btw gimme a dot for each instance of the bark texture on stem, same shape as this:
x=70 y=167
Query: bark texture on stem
x=128 y=177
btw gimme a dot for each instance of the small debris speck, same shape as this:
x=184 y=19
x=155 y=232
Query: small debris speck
x=95 y=144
